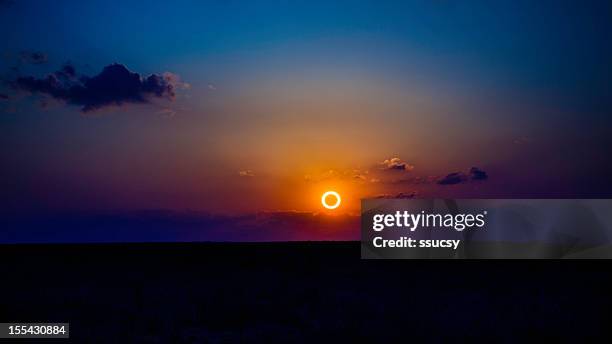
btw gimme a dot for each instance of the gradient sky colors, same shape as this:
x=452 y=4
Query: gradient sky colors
x=263 y=106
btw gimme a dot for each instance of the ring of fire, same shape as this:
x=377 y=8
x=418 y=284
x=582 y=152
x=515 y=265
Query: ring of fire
x=326 y=195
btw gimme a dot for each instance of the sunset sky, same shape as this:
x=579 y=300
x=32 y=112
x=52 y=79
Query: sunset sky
x=260 y=107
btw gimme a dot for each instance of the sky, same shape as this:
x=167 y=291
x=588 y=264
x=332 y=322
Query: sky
x=227 y=109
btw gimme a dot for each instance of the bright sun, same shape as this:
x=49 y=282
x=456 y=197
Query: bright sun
x=331 y=200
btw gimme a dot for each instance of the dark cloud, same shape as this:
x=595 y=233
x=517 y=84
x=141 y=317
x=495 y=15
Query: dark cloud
x=413 y=180
x=401 y=195
x=453 y=178
x=3 y=96
x=478 y=174
x=459 y=177
x=33 y=57
x=115 y=85
x=67 y=72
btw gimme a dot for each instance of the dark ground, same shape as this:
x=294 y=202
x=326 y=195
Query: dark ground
x=298 y=292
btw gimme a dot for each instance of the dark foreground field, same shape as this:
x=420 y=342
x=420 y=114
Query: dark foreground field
x=299 y=292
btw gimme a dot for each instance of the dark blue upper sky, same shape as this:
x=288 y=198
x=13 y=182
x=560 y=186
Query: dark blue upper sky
x=554 y=49
x=503 y=33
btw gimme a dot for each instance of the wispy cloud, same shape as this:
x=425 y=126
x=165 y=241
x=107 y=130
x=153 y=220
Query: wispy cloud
x=33 y=57
x=246 y=173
